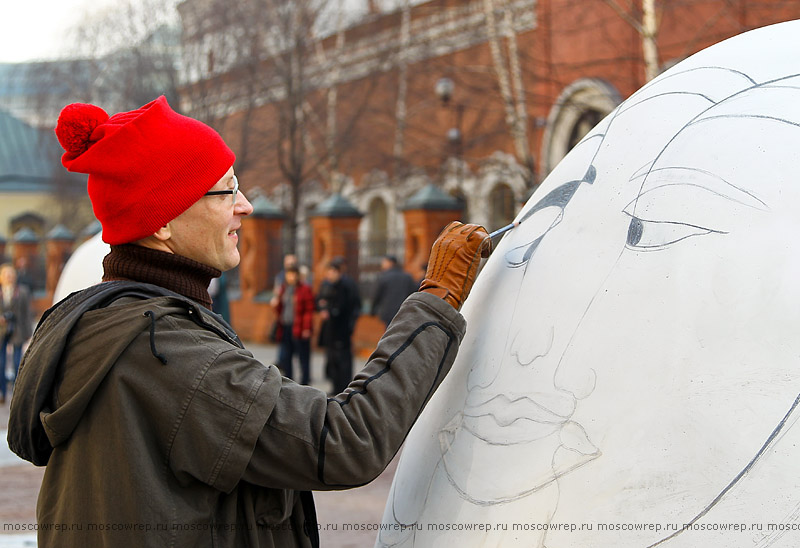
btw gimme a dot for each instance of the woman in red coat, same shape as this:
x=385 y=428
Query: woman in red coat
x=294 y=308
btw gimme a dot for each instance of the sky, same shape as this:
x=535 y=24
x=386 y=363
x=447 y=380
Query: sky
x=34 y=29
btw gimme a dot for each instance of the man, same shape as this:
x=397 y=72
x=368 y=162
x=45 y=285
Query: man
x=337 y=305
x=394 y=286
x=157 y=427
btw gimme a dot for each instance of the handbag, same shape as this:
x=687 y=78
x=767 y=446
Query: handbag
x=7 y=327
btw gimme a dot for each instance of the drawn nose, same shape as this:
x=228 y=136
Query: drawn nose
x=575 y=376
x=530 y=345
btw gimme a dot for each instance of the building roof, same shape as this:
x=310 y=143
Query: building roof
x=336 y=206
x=60 y=232
x=26 y=156
x=431 y=197
x=265 y=209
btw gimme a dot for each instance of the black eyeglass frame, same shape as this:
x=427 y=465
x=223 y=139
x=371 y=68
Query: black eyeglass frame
x=234 y=190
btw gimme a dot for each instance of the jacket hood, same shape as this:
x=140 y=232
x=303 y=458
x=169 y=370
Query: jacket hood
x=42 y=416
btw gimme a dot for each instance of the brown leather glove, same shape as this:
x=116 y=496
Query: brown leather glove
x=453 y=264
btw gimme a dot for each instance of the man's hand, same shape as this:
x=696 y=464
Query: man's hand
x=453 y=264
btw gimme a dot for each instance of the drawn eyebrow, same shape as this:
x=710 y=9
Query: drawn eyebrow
x=561 y=195
x=664 y=94
x=723 y=70
x=700 y=178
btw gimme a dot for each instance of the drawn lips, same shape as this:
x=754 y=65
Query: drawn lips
x=538 y=407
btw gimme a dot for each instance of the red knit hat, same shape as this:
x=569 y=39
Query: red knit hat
x=145 y=167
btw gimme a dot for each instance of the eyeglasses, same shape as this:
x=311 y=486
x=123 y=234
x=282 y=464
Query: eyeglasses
x=234 y=191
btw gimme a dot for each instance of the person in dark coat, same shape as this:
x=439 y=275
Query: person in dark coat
x=15 y=323
x=394 y=286
x=339 y=310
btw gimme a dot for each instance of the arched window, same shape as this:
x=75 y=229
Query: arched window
x=583 y=125
x=501 y=206
x=378 y=228
x=580 y=107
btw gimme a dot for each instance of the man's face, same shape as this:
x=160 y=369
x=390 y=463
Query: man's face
x=8 y=276
x=332 y=275
x=207 y=231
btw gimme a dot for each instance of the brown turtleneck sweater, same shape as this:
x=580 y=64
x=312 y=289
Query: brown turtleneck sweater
x=141 y=264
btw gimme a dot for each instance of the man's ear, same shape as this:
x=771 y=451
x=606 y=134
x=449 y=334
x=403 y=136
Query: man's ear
x=163 y=234
x=158 y=240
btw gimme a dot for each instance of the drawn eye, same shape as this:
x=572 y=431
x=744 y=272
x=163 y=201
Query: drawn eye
x=656 y=235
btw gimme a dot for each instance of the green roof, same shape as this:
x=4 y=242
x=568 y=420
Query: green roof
x=265 y=209
x=60 y=232
x=431 y=197
x=336 y=206
x=28 y=156
x=25 y=236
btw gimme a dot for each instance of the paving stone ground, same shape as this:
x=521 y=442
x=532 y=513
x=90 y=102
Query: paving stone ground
x=362 y=507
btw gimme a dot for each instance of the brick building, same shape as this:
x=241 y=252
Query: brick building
x=530 y=78
x=480 y=98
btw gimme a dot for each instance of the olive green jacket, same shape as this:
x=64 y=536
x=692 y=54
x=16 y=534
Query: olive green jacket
x=159 y=429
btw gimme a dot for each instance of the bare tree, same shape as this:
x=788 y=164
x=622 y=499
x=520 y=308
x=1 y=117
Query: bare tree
x=645 y=20
x=119 y=58
x=508 y=70
x=275 y=85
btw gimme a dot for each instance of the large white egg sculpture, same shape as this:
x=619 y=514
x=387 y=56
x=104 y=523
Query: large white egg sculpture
x=631 y=369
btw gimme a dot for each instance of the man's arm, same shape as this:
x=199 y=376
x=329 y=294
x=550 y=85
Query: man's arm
x=312 y=442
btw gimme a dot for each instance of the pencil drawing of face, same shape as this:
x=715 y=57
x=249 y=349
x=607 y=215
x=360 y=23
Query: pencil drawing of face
x=632 y=349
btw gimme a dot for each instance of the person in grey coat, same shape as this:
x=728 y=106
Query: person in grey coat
x=394 y=286
x=15 y=324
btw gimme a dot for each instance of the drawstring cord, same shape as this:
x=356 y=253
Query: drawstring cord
x=152 y=317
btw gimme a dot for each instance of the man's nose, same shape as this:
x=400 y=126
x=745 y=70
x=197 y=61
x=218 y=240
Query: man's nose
x=243 y=206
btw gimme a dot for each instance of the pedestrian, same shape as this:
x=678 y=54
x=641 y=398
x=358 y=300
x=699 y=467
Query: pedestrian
x=157 y=427
x=352 y=288
x=338 y=311
x=294 y=310
x=393 y=287
x=15 y=324
x=25 y=276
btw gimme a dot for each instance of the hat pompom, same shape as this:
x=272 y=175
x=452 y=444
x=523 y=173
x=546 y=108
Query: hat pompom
x=75 y=126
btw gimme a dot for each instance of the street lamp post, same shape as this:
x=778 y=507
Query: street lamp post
x=444 y=91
